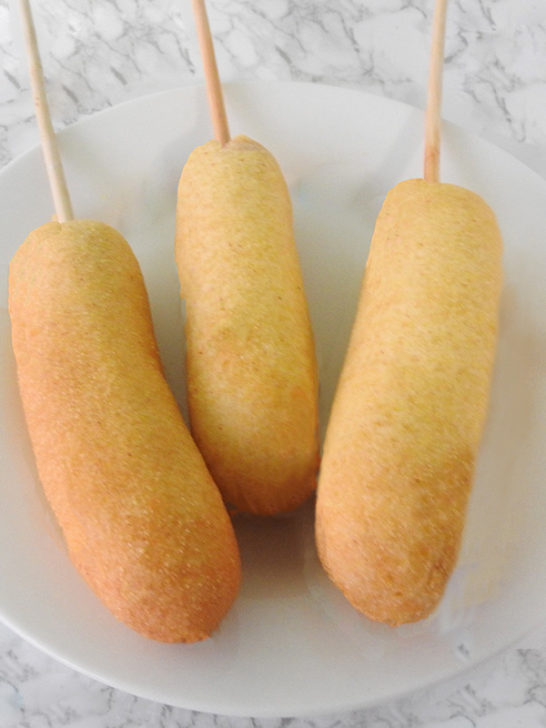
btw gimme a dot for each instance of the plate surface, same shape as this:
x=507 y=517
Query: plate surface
x=291 y=644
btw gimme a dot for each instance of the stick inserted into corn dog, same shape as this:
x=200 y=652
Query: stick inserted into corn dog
x=143 y=521
x=252 y=376
x=412 y=397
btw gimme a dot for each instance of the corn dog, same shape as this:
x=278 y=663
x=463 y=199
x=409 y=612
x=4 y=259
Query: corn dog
x=411 y=402
x=143 y=521
x=252 y=378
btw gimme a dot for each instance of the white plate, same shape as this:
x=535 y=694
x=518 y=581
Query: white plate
x=291 y=644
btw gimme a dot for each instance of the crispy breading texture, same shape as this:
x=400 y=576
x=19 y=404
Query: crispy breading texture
x=142 y=518
x=252 y=375
x=411 y=402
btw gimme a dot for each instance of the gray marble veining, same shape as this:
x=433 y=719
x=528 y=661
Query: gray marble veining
x=96 y=54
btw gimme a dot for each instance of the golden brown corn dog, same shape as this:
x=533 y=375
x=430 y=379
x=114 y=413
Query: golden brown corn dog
x=252 y=378
x=411 y=402
x=143 y=521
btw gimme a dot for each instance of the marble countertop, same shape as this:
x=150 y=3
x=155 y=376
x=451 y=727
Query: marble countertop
x=98 y=53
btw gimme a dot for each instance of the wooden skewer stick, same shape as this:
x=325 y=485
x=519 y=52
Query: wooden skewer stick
x=50 y=150
x=434 y=100
x=212 y=79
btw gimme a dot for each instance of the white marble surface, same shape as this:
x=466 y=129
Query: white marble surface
x=98 y=53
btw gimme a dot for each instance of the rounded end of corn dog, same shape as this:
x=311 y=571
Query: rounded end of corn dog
x=391 y=556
